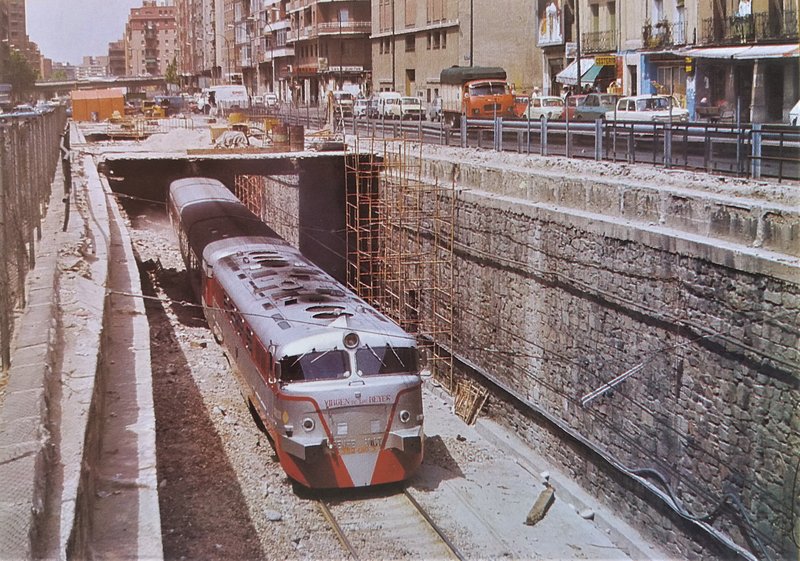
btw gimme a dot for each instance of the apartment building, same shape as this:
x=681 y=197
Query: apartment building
x=739 y=54
x=4 y=47
x=413 y=40
x=116 y=58
x=276 y=55
x=151 y=39
x=331 y=44
x=92 y=67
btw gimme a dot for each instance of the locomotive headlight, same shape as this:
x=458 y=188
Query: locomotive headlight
x=405 y=416
x=308 y=424
x=351 y=340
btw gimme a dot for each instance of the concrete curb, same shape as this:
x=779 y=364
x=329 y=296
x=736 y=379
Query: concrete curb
x=96 y=519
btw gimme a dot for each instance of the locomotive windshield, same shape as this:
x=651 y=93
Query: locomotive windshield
x=326 y=365
x=373 y=361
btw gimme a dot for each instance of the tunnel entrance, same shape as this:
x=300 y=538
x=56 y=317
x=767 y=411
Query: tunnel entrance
x=301 y=198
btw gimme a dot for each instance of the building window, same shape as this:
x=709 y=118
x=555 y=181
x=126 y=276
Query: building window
x=430 y=40
x=410 y=43
x=444 y=39
x=435 y=40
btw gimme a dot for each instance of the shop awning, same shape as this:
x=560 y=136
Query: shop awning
x=589 y=72
x=746 y=53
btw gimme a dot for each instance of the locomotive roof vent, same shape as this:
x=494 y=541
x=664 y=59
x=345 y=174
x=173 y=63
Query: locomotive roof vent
x=267 y=258
x=328 y=312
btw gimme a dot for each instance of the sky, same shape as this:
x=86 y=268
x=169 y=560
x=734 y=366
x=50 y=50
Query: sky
x=68 y=30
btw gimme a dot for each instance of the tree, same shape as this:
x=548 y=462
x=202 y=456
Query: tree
x=171 y=75
x=19 y=74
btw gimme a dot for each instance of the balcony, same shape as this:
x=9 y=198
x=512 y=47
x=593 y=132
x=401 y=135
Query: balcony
x=663 y=33
x=761 y=27
x=350 y=27
x=329 y=28
x=599 y=41
x=278 y=52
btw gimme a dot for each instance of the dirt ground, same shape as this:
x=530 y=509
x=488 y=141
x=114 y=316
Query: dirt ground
x=223 y=494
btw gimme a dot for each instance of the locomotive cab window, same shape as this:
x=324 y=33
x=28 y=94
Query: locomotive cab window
x=326 y=365
x=374 y=361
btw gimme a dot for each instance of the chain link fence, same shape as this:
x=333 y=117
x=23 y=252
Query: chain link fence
x=29 y=150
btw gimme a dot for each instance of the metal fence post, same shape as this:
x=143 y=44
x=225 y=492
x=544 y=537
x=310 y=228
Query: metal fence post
x=668 y=146
x=5 y=298
x=755 y=157
x=543 y=147
x=598 y=139
x=463 y=124
x=498 y=134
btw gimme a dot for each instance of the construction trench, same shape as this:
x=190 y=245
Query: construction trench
x=639 y=329
x=534 y=289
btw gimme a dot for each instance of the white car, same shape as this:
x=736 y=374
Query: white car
x=271 y=100
x=544 y=107
x=794 y=115
x=360 y=108
x=411 y=108
x=656 y=108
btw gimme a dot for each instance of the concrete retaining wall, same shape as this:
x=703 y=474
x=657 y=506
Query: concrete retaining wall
x=565 y=283
x=52 y=423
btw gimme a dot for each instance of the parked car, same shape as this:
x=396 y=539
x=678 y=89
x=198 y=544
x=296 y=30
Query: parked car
x=271 y=100
x=24 y=110
x=521 y=104
x=342 y=103
x=657 y=108
x=360 y=107
x=595 y=106
x=257 y=102
x=435 y=109
x=411 y=108
x=571 y=103
x=794 y=115
x=388 y=104
x=544 y=107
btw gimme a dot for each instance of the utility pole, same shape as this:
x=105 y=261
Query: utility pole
x=471 y=31
x=392 y=47
x=578 y=43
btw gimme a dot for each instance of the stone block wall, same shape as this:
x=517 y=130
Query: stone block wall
x=565 y=284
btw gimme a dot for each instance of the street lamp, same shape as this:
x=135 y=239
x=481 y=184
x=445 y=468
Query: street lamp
x=248 y=32
x=227 y=50
x=271 y=42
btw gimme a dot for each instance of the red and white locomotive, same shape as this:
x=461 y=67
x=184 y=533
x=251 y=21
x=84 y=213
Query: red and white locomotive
x=336 y=383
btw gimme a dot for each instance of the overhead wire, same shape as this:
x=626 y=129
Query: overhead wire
x=589 y=290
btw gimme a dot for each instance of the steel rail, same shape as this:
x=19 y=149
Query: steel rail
x=326 y=512
x=433 y=525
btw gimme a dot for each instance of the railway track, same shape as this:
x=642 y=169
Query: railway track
x=387 y=526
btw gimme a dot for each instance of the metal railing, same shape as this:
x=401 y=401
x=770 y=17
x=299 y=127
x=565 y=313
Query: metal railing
x=753 y=28
x=756 y=151
x=599 y=41
x=663 y=33
x=29 y=149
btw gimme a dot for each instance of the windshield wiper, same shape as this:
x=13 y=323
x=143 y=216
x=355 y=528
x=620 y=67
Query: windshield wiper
x=316 y=358
x=397 y=356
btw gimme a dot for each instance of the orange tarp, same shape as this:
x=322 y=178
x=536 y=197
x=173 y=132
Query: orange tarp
x=97 y=105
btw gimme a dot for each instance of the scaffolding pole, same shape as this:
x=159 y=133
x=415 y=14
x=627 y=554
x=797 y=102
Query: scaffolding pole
x=400 y=244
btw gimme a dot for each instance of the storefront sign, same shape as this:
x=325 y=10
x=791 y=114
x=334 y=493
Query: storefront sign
x=605 y=60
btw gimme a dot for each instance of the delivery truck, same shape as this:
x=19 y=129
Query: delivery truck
x=475 y=92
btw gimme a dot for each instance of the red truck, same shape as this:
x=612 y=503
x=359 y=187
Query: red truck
x=477 y=92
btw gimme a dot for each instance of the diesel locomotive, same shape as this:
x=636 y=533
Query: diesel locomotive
x=335 y=382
